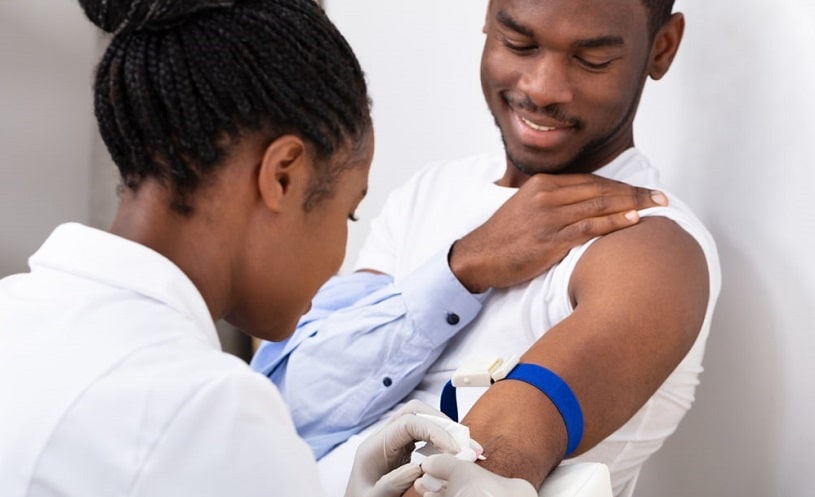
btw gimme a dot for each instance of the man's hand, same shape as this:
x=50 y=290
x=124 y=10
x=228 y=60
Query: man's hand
x=535 y=229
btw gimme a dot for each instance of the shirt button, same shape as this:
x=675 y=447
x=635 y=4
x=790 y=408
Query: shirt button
x=387 y=381
x=452 y=318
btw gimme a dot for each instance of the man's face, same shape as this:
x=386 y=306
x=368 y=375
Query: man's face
x=563 y=79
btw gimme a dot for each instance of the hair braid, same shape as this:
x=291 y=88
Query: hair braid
x=182 y=80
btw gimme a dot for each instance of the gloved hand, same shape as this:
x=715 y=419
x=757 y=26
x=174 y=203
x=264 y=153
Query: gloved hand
x=468 y=479
x=382 y=463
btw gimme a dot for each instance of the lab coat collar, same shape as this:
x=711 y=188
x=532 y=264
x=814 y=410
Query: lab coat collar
x=112 y=260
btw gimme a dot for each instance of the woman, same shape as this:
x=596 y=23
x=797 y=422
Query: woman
x=243 y=136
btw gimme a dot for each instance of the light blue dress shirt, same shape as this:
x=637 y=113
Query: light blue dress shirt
x=365 y=345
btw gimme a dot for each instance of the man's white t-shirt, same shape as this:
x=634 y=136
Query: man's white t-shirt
x=447 y=200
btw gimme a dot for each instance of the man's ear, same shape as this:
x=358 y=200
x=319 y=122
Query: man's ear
x=665 y=45
x=284 y=172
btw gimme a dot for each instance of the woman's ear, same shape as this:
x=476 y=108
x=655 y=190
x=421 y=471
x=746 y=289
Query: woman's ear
x=665 y=45
x=284 y=172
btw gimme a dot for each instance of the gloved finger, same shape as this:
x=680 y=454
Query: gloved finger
x=406 y=429
x=477 y=448
x=435 y=489
x=395 y=483
x=470 y=479
x=442 y=466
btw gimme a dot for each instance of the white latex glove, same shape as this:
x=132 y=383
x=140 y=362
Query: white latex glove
x=382 y=463
x=468 y=479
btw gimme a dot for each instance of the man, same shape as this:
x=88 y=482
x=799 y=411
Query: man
x=621 y=320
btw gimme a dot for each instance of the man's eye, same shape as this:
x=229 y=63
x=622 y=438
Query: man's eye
x=593 y=65
x=518 y=47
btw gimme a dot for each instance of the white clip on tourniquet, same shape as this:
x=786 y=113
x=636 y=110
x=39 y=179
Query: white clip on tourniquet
x=475 y=373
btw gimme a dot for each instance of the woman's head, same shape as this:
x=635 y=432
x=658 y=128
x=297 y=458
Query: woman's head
x=183 y=81
x=242 y=132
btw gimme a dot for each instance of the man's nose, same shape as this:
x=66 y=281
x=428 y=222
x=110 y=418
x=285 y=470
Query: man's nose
x=547 y=80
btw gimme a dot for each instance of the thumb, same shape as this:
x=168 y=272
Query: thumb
x=409 y=428
x=396 y=482
x=442 y=466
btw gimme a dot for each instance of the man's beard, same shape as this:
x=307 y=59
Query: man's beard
x=576 y=163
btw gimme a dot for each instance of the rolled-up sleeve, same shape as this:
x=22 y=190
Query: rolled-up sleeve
x=364 y=346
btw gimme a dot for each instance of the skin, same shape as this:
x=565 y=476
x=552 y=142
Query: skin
x=577 y=68
x=250 y=248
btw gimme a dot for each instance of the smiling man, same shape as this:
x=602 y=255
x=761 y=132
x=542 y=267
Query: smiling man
x=605 y=291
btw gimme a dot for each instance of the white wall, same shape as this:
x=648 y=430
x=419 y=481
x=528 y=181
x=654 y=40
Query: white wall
x=732 y=127
x=421 y=58
x=47 y=52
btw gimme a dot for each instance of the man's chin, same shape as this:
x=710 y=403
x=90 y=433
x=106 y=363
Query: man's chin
x=536 y=165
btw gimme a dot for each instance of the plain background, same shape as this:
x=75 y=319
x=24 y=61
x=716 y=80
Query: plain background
x=731 y=127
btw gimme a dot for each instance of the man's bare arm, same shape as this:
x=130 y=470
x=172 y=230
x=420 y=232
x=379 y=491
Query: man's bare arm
x=640 y=297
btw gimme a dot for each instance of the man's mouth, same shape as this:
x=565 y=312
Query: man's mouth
x=541 y=132
x=538 y=127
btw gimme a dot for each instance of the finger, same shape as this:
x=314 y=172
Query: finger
x=477 y=448
x=427 y=488
x=395 y=483
x=409 y=428
x=441 y=466
x=587 y=199
x=420 y=489
x=560 y=193
x=422 y=410
x=599 y=185
x=600 y=215
x=587 y=229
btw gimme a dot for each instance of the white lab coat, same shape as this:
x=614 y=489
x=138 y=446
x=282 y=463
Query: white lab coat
x=113 y=383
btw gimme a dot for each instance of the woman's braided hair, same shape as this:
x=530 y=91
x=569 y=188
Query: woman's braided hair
x=183 y=80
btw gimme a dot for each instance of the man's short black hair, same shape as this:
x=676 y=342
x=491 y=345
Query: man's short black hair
x=659 y=11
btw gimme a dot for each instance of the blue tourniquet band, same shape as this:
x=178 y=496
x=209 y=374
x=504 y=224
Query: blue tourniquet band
x=547 y=382
x=561 y=396
x=448 y=404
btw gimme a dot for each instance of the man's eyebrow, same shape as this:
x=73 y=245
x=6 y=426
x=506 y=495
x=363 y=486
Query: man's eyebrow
x=507 y=20
x=504 y=18
x=600 y=42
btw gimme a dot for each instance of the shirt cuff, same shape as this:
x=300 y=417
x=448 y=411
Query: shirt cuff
x=438 y=305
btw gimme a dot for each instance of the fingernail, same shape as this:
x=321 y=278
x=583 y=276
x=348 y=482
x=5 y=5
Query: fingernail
x=659 y=198
x=632 y=216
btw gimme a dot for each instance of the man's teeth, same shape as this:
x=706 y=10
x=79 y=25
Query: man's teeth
x=536 y=127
